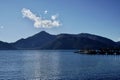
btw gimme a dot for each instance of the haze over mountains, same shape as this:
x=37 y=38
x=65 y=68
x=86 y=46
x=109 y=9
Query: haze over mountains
x=44 y=40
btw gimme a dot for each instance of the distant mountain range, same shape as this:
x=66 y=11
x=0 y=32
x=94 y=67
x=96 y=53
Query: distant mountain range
x=44 y=40
x=6 y=46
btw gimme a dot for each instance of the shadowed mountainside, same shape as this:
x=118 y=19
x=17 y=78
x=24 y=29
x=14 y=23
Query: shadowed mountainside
x=34 y=42
x=6 y=46
x=44 y=40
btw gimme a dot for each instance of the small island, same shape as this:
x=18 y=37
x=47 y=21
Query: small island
x=103 y=51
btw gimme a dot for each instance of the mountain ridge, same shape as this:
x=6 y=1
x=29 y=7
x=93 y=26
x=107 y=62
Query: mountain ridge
x=6 y=46
x=44 y=40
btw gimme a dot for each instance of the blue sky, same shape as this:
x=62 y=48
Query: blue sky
x=100 y=17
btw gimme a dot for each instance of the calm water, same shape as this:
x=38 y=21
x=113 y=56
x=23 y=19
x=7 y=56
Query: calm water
x=57 y=65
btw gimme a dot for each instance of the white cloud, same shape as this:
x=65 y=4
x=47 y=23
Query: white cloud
x=38 y=21
x=54 y=17
x=45 y=12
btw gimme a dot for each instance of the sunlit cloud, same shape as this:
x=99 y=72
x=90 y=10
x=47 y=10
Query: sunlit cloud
x=45 y=12
x=39 y=22
x=54 y=17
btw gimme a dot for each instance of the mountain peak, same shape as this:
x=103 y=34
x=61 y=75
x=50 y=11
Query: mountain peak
x=44 y=32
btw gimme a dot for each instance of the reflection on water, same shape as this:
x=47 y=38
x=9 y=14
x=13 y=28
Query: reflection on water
x=57 y=65
x=41 y=65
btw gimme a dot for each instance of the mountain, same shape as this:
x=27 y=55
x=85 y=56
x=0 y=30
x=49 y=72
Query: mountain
x=44 y=40
x=80 y=41
x=6 y=46
x=118 y=43
x=34 y=42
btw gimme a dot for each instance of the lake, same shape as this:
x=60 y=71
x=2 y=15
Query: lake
x=57 y=65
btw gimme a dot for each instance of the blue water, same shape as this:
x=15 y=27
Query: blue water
x=57 y=65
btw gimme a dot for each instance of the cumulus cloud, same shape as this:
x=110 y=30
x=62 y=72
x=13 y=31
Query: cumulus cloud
x=45 y=12
x=38 y=21
x=54 y=17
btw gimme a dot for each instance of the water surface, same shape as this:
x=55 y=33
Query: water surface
x=57 y=65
